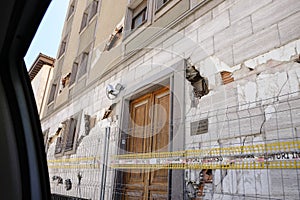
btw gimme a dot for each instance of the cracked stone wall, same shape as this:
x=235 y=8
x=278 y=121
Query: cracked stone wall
x=258 y=44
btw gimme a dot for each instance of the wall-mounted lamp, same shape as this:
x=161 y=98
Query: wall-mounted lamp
x=112 y=92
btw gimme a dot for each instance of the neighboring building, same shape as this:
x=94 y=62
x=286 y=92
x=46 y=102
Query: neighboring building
x=40 y=74
x=176 y=99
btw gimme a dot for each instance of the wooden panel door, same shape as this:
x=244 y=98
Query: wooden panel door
x=149 y=133
x=158 y=179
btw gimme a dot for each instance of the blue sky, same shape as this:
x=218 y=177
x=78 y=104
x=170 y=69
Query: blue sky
x=47 y=38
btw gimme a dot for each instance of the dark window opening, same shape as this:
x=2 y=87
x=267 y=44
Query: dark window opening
x=52 y=93
x=66 y=140
x=62 y=48
x=83 y=64
x=93 y=9
x=73 y=73
x=71 y=10
x=71 y=135
x=84 y=21
x=160 y=3
x=139 y=19
x=58 y=146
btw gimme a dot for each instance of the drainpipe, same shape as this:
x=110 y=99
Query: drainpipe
x=104 y=164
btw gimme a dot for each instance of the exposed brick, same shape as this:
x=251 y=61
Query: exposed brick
x=256 y=44
x=235 y=32
x=289 y=29
x=209 y=29
x=244 y=8
x=273 y=13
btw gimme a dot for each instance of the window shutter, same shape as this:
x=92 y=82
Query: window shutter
x=93 y=9
x=58 y=146
x=84 y=21
x=71 y=10
x=83 y=64
x=62 y=48
x=73 y=73
x=160 y=3
x=52 y=93
x=71 y=135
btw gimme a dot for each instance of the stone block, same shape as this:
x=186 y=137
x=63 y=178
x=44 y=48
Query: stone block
x=212 y=27
x=200 y=21
x=233 y=33
x=226 y=56
x=256 y=44
x=223 y=7
x=201 y=51
x=273 y=13
x=243 y=8
x=289 y=28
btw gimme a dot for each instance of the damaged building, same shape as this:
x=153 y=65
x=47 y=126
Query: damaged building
x=176 y=99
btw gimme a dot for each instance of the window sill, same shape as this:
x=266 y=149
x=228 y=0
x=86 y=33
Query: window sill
x=88 y=24
x=165 y=8
x=132 y=33
x=61 y=56
x=69 y=18
x=50 y=103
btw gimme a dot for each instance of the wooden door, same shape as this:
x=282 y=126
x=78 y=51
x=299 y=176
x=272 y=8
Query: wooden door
x=149 y=132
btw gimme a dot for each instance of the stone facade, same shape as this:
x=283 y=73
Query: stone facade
x=258 y=43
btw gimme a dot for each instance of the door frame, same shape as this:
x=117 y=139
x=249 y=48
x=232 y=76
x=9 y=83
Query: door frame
x=174 y=78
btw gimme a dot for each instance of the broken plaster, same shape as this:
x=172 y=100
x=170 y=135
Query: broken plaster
x=282 y=54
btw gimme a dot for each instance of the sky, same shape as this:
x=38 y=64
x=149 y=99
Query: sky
x=48 y=35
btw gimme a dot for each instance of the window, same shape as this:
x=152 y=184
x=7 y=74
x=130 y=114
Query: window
x=71 y=9
x=66 y=142
x=94 y=8
x=52 y=93
x=160 y=3
x=139 y=19
x=62 y=47
x=83 y=64
x=45 y=136
x=84 y=21
x=89 y=13
x=71 y=135
x=73 y=73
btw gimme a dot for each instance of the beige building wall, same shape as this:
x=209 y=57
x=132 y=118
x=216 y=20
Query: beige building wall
x=40 y=85
x=255 y=44
x=41 y=74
